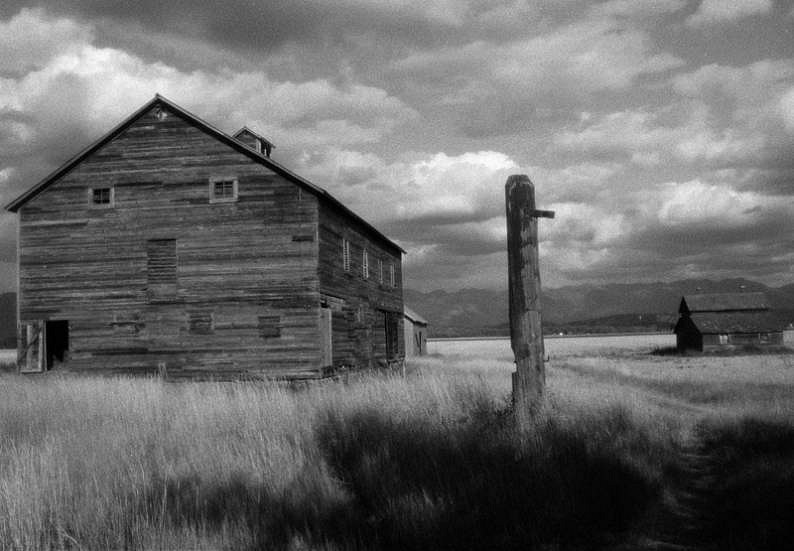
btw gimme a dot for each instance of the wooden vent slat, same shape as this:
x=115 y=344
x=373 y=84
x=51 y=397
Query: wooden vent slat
x=161 y=267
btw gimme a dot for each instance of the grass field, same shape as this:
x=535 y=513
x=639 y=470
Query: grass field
x=628 y=448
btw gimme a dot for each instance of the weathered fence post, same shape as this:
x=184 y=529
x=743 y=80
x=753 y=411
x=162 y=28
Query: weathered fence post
x=526 y=334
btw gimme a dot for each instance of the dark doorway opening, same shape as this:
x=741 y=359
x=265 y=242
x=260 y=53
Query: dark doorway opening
x=57 y=342
x=391 y=326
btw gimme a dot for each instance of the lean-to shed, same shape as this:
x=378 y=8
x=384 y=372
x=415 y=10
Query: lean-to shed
x=170 y=246
x=415 y=333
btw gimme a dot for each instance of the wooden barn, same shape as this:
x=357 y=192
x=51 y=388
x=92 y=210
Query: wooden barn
x=171 y=247
x=722 y=321
x=415 y=333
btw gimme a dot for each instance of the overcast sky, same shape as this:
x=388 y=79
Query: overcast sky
x=660 y=131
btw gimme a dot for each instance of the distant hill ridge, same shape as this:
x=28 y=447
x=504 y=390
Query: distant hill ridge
x=582 y=308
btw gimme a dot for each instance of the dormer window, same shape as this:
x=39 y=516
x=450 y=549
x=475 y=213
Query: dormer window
x=223 y=190
x=101 y=196
x=255 y=141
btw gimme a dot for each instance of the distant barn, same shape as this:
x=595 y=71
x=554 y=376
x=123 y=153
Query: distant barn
x=169 y=246
x=415 y=333
x=723 y=321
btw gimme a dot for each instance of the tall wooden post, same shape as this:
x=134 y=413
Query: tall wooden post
x=526 y=333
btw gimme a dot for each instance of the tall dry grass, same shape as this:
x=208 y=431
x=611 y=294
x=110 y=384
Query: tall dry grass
x=428 y=461
x=391 y=463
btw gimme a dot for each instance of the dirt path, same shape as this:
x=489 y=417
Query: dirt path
x=681 y=522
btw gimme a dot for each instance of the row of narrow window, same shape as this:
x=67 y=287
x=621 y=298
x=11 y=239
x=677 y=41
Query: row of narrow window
x=365 y=271
x=221 y=190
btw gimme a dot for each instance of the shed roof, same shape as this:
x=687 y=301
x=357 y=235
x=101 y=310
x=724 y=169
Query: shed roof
x=159 y=100
x=723 y=302
x=413 y=316
x=735 y=322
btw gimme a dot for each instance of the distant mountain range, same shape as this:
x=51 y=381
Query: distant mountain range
x=582 y=308
x=575 y=309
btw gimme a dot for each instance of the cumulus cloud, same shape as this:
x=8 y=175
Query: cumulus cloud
x=31 y=38
x=439 y=188
x=723 y=115
x=81 y=90
x=696 y=202
x=501 y=82
x=718 y=11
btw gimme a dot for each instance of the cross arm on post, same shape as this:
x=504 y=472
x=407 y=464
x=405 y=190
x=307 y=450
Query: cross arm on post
x=542 y=214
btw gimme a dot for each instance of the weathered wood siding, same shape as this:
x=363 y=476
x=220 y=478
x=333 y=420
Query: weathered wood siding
x=359 y=306
x=732 y=341
x=246 y=291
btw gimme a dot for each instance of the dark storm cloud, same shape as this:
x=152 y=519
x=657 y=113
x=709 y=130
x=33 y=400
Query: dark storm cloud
x=262 y=28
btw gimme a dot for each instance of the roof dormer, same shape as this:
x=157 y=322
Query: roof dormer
x=255 y=141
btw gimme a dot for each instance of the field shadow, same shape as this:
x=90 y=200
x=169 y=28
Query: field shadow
x=409 y=484
x=474 y=485
x=746 y=497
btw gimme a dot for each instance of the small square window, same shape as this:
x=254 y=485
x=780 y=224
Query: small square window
x=101 y=196
x=223 y=190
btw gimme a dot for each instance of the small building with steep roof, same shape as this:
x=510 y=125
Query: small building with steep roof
x=724 y=321
x=415 y=333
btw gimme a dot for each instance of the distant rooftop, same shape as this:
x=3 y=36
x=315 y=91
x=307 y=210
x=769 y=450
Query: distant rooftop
x=735 y=322
x=723 y=302
x=413 y=316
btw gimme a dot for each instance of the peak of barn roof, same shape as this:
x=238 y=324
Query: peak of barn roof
x=162 y=102
x=413 y=316
x=723 y=302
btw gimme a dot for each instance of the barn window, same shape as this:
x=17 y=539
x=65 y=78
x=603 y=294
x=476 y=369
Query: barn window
x=101 y=196
x=269 y=326
x=365 y=264
x=346 y=255
x=223 y=190
x=723 y=339
x=392 y=279
x=380 y=271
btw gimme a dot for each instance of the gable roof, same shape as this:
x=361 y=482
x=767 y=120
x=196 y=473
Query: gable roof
x=732 y=322
x=413 y=316
x=723 y=302
x=221 y=136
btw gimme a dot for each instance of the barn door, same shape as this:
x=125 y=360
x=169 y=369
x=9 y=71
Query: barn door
x=32 y=350
x=391 y=328
x=326 y=338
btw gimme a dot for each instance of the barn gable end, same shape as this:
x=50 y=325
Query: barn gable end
x=168 y=246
